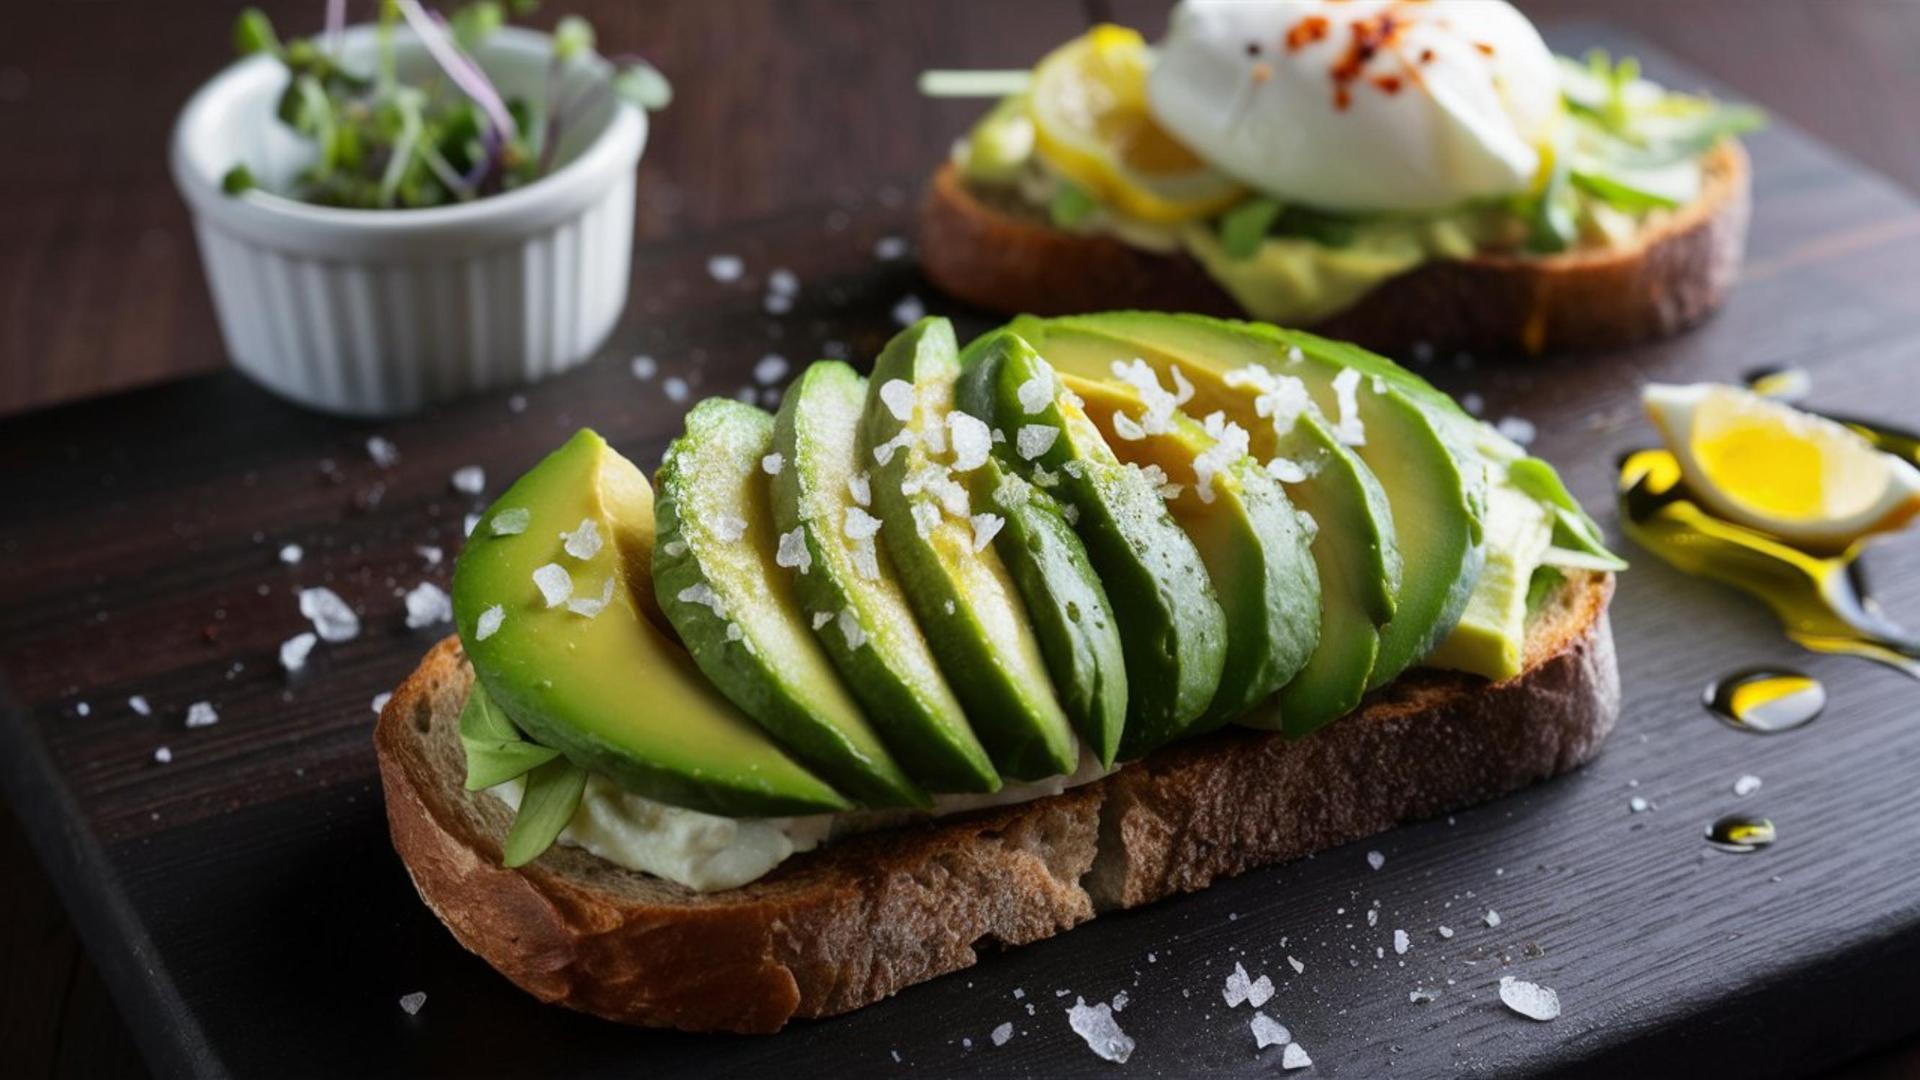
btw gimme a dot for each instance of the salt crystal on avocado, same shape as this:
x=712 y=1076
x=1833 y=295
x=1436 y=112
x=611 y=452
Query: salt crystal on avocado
x=792 y=551
x=851 y=630
x=1349 y=428
x=591 y=606
x=1036 y=393
x=512 y=521
x=985 y=528
x=859 y=525
x=866 y=560
x=489 y=621
x=701 y=593
x=971 y=440
x=554 y=583
x=584 y=541
x=821 y=618
x=727 y=528
x=773 y=463
x=1032 y=440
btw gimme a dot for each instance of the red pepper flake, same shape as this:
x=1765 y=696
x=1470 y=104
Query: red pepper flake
x=1369 y=36
x=1311 y=29
x=1388 y=83
x=1485 y=49
x=1426 y=56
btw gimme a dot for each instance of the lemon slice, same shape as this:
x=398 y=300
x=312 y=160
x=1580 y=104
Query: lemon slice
x=1091 y=122
x=1761 y=463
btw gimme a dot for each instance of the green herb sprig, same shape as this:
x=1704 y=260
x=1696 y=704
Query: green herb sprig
x=381 y=143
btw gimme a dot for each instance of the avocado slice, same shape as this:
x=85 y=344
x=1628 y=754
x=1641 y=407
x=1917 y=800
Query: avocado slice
x=854 y=602
x=716 y=577
x=1235 y=512
x=941 y=547
x=1352 y=541
x=1490 y=638
x=1436 y=487
x=1172 y=630
x=604 y=685
x=1074 y=622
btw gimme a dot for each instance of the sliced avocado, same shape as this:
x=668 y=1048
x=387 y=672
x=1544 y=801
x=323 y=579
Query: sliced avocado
x=1074 y=622
x=605 y=686
x=1172 y=630
x=1255 y=549
x=716 y=577
x=1352 y=541
x=966 y=602
x=1490 y=638
x=1437 y=488
x=853 y=600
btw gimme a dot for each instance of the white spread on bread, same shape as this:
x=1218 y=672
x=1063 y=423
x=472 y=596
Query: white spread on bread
x=708 y=853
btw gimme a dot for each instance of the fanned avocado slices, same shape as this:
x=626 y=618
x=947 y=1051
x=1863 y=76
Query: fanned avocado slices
x=1172 y=629
x=1246 y=530
x=1353 y=538
x=941 y=545
x=847 y=586
x=552 y=595
x=717 y=578
x=1437 y=489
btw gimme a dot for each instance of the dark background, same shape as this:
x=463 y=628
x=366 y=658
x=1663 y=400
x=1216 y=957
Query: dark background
x=780 y=104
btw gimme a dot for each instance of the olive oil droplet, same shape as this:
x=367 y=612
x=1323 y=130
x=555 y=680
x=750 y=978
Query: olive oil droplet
x=1766 y=701
x=1740 y=834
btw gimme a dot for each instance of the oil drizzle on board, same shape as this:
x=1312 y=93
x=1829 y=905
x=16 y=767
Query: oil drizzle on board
x=1822 y=600
x=1740 y=834
x=1766 y=701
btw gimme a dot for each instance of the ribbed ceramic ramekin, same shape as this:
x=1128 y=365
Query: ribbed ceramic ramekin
x=379 y=312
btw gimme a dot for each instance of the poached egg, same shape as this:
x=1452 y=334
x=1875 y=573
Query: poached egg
x=1360 y=105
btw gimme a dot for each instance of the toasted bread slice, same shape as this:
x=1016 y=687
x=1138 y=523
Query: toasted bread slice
x=852 y=922
x=1003 y=255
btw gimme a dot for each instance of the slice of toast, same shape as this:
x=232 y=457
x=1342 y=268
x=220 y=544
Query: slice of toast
x=858 y=919
x=1001 y=254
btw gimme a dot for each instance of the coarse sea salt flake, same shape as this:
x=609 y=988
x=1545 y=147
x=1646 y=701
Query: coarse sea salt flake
x=383 y=452
x=380 y=701
x=1444 y=931
x=773 y=463
x=1376 y=860
x=1401 y=943
x=1002 y=1033
x=591 y=606
x=1120 y=1001
x=1237 y=988
x=1269 y=1032
x=1032 y=440
x=201 y=714
x=771 y=369
x=1519 y=429
x=1296 y=965
x=1260 y=992
x=468 y=524
x=489 y=622
x=866 y=559
x=138 y=703
x=469 y=479
x=643 y=367
x=291 y=554
x=430 y=554
x=411 y=1003
x=674 y=387
x=971 y=440
x=1095 y=1024
x=890 y=247
x=293 y=652
x=1493 y=917
x=1746 y=785
x=1349 y=428
x=851 y=630
x=897 y=396
x=859 y=525
x=792 y=552
x=701 y=593
x=783 y=282
x=1036 y=393
x=427 y=605
x=584 y=541
x=512 y=521
x=909 y=310
x=821 y=619
x=727 y=528
x=1295 y=1057
x=330 y=615
x=162 y=754
x=860 y=486
x=985 y=528
x=1531 y=1000
x=554 y=583
x=725 y=268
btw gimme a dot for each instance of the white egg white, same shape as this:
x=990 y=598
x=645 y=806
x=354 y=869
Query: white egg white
x=1361 y=105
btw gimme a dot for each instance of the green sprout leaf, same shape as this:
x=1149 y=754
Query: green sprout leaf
x=496 y=751
x=474 y=23
x=1070 y=205
x=253 y=33
x=238 y=180
x=1244 y=228
x=552 y=795
x=641 y=85
x=572 y=36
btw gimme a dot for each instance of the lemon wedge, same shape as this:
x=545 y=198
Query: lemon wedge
x=1761 y=463
x=1091 y=123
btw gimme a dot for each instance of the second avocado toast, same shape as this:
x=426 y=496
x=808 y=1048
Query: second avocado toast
x=1019 y=582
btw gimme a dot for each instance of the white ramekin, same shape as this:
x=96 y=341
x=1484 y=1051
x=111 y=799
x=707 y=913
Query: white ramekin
x=379 y=312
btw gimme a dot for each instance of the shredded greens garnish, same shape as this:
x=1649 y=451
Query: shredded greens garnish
x=383 y=143
x=498 y=753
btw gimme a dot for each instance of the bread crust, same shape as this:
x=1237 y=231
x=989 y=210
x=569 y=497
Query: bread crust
x=861 y=918
x=1675 y=273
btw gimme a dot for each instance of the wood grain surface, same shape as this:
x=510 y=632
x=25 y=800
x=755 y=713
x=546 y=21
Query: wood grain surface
x=797 y=141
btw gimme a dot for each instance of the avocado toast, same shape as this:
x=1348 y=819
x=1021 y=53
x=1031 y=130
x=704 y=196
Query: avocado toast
x=652 y=778
x=1403 y=175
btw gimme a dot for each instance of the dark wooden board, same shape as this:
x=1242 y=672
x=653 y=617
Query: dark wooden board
x=251 y=918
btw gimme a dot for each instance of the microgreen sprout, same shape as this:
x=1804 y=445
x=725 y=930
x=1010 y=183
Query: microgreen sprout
x=451 y=136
